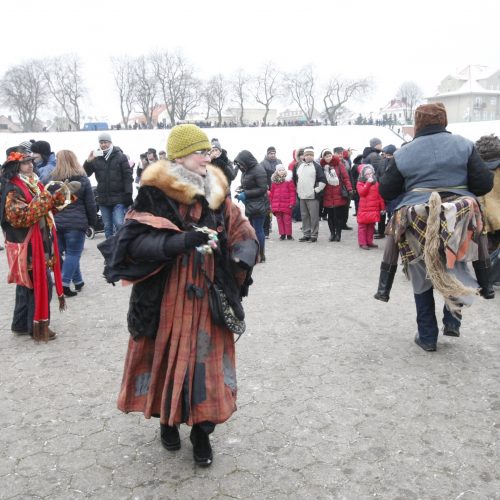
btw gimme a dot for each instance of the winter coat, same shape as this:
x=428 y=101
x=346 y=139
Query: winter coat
x=320 y=180
x=435 y=159
x=114 y=178
x=186 y=371
x=333 y=194
x=370 y=203
x=253 y=184
x=270 y=168
x=44 y=171
x=225 y=164
x=82 y=213
x=372 y=156
x=283 y=194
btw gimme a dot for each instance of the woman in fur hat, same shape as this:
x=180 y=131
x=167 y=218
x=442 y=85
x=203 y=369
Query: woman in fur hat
x=180 y=364
x=31 y=245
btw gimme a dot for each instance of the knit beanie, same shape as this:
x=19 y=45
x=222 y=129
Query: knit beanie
x=186 y=139
x=488 y=147
x=325 y=151
x=374 y=142
x=308 y=149
x=271 y=149
x=430 y=114
x=41 y=147
x=104 y=136
x=216 y=144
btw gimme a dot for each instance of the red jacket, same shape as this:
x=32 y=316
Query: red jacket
x=370 y=202
x=283 y=195
x=333 y=194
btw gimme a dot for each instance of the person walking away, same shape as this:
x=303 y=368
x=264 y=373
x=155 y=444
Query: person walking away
x=438 y=176
x=180 y=364
x=253 y=194
x=114 y=182
x=282 y=197
x=73 y=222
x=371 y=205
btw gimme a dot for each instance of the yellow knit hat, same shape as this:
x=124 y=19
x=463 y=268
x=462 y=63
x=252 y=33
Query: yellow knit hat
x=185 y=139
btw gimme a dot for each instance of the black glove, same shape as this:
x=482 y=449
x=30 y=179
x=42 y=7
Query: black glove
x=194 y=239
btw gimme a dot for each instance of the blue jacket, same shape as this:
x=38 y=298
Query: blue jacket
x=45 y=170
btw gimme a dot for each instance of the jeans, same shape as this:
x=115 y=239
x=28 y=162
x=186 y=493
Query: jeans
x=112 y=217
x=24 y=307
x=257 y=223
x=71 y=248
x=426 y=317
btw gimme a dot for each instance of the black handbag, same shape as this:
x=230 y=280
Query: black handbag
x=222 y=312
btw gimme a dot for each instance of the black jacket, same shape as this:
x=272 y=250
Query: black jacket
x=81 y=214
x=225 y=164
x=254 y=184
x=114 y=178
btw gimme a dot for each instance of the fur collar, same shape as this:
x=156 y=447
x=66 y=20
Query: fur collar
x=184 y=186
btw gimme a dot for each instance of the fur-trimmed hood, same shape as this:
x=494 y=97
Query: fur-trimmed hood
x=184 y=186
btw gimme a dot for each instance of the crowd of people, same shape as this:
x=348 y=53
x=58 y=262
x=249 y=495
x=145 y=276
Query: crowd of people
x=189 y=251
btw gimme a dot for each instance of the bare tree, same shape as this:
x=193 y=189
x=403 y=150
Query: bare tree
x=126 y=82
x=189 y=97
x=65 y=83
x=409 y=93
x=239 y=85
x=300 y=86
x=267 y=87
x=146 y=88
x=339 y=91
x=23 y=90
x=174 y=74
x=217 y=94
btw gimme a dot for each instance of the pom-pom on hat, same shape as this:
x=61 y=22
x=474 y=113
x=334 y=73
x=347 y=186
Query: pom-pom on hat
x=186 y=139
x=430 y=114
x=375 y=142
x=41 y=147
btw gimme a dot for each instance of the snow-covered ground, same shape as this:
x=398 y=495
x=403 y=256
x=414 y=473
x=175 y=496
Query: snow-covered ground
x=256 y=140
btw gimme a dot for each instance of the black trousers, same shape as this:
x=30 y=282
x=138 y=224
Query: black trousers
x=24 y=307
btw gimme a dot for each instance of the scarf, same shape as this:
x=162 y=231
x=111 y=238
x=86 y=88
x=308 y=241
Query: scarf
x=29 y=185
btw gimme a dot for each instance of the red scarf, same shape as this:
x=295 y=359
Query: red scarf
x=40 y=288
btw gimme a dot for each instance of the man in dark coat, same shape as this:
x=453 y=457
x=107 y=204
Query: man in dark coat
x=114 y=182
x=436 y=166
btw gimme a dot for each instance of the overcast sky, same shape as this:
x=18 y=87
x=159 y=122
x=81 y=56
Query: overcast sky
x=388 y=40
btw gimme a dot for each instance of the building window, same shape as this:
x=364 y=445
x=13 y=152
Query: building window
x=493 y=101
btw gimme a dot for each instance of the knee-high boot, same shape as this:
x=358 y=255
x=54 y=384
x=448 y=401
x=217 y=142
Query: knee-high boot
x=385 y=281
x=262 y=255
x=482 y=270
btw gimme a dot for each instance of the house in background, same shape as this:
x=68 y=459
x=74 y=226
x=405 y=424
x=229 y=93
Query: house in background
x=395 y=108
x=7 y=125
x=471 y=95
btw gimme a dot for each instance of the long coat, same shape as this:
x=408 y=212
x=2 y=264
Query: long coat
x=333 y=194
x=188 y=372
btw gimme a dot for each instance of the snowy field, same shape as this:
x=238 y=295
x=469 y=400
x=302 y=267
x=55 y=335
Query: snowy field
x=256 y=140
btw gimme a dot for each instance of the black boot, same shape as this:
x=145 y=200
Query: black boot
x=482 y=269
x=68 y=292
x=387 y=273
x=202 y=451
x=332 y=235
x=262 y=256
x=170 y=437
x=338 y=233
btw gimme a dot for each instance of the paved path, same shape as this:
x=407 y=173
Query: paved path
x=335 y=399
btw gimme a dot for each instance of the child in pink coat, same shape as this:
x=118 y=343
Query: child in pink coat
x=370 y=206
x=283 y=200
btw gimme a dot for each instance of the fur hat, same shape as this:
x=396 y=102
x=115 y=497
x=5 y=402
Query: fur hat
x=186 y=139
x=488 y=147
x=271 y=149
x=375 y=142
x=325 y=151
x=430 y=114
x=104 y=136
x=41 y=147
